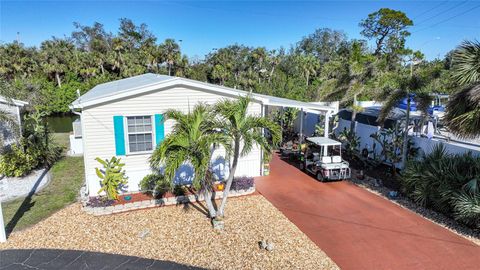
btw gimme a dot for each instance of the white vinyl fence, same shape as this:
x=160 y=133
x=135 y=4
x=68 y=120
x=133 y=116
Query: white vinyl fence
x=426 y=145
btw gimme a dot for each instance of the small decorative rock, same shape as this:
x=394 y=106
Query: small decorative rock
x=144 y=233
x=392 y=194
x=269 y=246
x=262 y=244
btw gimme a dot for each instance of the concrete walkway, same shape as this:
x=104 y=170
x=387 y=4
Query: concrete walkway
x=55 y=259
x=360 y=230
x=12 y=188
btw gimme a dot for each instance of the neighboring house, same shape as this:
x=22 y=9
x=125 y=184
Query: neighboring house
x=124 y=118
x=15 y=108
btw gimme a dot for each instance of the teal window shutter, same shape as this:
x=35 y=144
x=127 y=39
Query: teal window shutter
x=119 y=131
x=159 y=128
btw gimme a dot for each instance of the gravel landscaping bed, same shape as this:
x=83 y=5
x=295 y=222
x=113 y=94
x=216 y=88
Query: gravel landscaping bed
x=184 y=235
x=374 y=186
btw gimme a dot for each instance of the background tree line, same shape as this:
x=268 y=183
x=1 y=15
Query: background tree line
x=324 y=65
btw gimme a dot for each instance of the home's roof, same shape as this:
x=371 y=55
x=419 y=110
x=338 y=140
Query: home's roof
x=323 y=141
x=149 y=82
x=15 y=102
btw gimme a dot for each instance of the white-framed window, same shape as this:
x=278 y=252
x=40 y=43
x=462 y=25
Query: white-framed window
x=139 y=134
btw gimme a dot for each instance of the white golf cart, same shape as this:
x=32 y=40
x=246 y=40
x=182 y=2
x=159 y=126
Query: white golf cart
x=323 y=158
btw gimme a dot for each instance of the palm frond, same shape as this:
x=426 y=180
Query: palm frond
x=392 y=98
x=423 y=100
x=463 y=112
x=466 y=62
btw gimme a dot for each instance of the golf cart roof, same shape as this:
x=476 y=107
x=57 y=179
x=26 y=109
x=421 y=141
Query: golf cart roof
x=323 y=141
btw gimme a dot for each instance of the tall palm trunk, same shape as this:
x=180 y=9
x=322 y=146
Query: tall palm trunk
x=405 y=136
x=354 y=113
x=271 y=74
x=57 y=77
x=226 y=191
x=208 y=201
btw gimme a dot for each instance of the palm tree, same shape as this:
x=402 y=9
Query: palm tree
x=116 y=56
x=463 y=108
x=244 y=131
x=57 y=54
x=308 y=65
x=171 y=51
x=412 y=88
x=192 y=141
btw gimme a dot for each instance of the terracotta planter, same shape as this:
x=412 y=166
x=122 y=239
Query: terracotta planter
x=220 y=187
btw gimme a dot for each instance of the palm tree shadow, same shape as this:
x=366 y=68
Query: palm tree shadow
x=197 y=205
x=26 y=205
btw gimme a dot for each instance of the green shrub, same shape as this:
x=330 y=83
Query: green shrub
x=446 y=183
x=34 y=149
x=154 y=184
x=112 y=177
x=16 y=161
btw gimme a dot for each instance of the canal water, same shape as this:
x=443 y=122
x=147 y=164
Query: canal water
x=61 y=123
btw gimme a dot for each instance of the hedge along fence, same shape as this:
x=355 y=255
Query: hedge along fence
x=448 y=183
x=96 y=206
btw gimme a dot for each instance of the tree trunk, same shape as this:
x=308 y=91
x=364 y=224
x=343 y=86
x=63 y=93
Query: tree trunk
x=57 y=77
x=379 y=44
x=226 y=191
x=271 y=74
x=354 y=113
x=208 y=201
x=169 y=69
x=307 y=77
x=102 y=69
x=405 y=136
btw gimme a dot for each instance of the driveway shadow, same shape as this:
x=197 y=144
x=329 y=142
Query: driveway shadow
x=75 y=259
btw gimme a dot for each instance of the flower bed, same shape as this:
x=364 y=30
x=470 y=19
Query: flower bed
x=132 y=201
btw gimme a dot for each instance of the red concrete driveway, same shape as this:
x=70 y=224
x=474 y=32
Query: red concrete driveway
x=360 y=230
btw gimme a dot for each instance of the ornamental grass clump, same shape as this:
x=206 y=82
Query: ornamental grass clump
x=447 y=183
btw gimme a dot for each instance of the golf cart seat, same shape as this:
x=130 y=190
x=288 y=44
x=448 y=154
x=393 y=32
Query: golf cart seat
x=326 y=159
x=336 y=159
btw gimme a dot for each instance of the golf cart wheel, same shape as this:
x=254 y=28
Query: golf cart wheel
x=320 y=177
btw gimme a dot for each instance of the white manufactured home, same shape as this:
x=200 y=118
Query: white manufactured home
x=124 y=118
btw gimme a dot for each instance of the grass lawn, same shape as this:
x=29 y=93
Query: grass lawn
x=67 y=178
x=62 y=139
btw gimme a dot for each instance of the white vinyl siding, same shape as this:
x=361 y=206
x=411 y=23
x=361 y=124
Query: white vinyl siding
x=99 y=140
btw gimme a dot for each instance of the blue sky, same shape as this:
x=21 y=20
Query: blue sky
x=204 y=25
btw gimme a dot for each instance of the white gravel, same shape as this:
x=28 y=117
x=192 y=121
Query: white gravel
x=184 y=236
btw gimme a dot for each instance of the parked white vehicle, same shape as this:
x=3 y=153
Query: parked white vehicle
x=323 y=158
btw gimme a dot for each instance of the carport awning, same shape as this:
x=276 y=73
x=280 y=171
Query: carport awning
x=306 y=106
